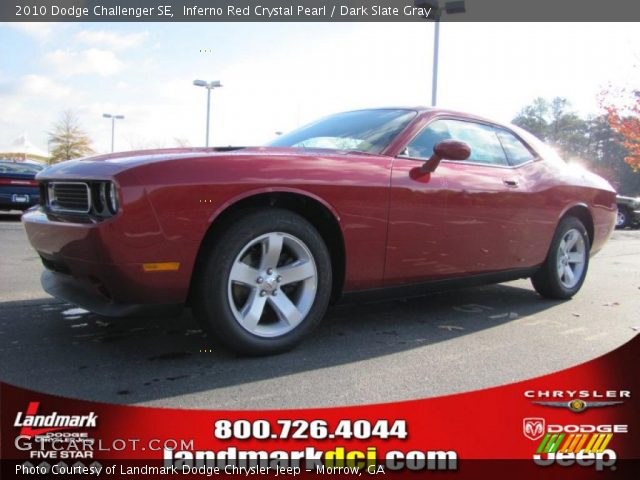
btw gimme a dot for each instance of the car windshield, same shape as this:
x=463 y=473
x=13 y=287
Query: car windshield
x=367 y=131
x=19 y=167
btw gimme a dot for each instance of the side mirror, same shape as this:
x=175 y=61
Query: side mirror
x=446 y=150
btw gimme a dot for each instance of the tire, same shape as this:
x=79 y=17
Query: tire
x=553 y=280
x=265 y=283
x=622 y=218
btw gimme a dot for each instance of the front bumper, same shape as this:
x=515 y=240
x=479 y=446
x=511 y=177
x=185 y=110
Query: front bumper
x=100 y=265
x=66 y=288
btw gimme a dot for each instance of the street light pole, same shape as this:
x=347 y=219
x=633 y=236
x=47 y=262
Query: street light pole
x=435 y=12
x=113 y=126
x=436 y=45
x=209 y=86
x=208 y=114
x=113 y=132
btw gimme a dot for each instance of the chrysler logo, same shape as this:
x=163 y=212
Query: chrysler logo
x=533 y=428
x=577 y=405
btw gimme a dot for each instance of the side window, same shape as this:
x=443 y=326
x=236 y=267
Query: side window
x=422 y=145
x=482 y=139
x=516 y=151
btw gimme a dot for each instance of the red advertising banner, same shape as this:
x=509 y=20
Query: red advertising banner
x=582 y=422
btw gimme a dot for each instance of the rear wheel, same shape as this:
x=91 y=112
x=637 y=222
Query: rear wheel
x=265 y=283
x=565 y=268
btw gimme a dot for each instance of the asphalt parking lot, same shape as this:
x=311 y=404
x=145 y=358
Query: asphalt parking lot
x=367 y=353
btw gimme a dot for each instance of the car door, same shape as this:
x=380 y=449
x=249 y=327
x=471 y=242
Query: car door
x=460 y=219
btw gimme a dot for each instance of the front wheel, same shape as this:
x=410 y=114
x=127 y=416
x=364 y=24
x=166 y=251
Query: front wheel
x=565 y=268
x=265 y=283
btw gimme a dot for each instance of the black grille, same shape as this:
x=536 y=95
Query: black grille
x=69 y=197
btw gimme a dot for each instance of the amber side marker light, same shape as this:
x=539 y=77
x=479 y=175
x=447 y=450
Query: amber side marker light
x=161 y=267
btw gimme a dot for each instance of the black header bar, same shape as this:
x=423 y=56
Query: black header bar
x=319 y=10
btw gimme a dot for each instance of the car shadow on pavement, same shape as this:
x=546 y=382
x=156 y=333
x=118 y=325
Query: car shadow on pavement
x=57 y=348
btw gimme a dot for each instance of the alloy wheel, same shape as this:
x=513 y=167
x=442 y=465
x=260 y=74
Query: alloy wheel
x=571 y=258
x=272 y=284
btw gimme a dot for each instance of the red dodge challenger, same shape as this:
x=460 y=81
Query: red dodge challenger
x=258 y=241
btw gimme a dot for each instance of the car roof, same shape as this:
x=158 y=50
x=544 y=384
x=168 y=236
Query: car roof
x=436 y=111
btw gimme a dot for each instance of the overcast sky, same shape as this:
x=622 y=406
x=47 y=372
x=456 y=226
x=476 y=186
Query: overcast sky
x=280 y=75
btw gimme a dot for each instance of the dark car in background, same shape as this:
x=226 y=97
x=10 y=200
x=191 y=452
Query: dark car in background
x=18 y=186
x=628 y=212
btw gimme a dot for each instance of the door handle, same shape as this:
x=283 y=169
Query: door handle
x=510 y=182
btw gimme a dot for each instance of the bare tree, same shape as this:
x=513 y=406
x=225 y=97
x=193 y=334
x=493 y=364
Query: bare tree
x=68 y=140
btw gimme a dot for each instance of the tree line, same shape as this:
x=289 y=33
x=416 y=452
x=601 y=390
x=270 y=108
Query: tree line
x=594 y=142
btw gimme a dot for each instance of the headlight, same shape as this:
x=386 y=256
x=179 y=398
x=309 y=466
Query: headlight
x=112 y=197
x=105 y=199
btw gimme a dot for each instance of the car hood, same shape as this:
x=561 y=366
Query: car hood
x=108 y=165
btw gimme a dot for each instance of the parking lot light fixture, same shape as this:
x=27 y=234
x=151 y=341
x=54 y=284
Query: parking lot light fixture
x=209 y=86
x=113 y=125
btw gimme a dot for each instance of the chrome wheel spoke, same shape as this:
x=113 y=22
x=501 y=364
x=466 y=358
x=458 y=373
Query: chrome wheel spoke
x=575 y=257
x=286 y=310
x=563 y=246
x=252 y=312
x=568 y=274
x=571 y=239
x=271 y=250
x=296 y=272
x=243 y=273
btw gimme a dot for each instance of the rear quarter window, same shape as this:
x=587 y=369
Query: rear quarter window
x=516 y=151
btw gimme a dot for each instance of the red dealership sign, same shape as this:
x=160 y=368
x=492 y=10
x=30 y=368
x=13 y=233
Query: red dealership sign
x=581 y=422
